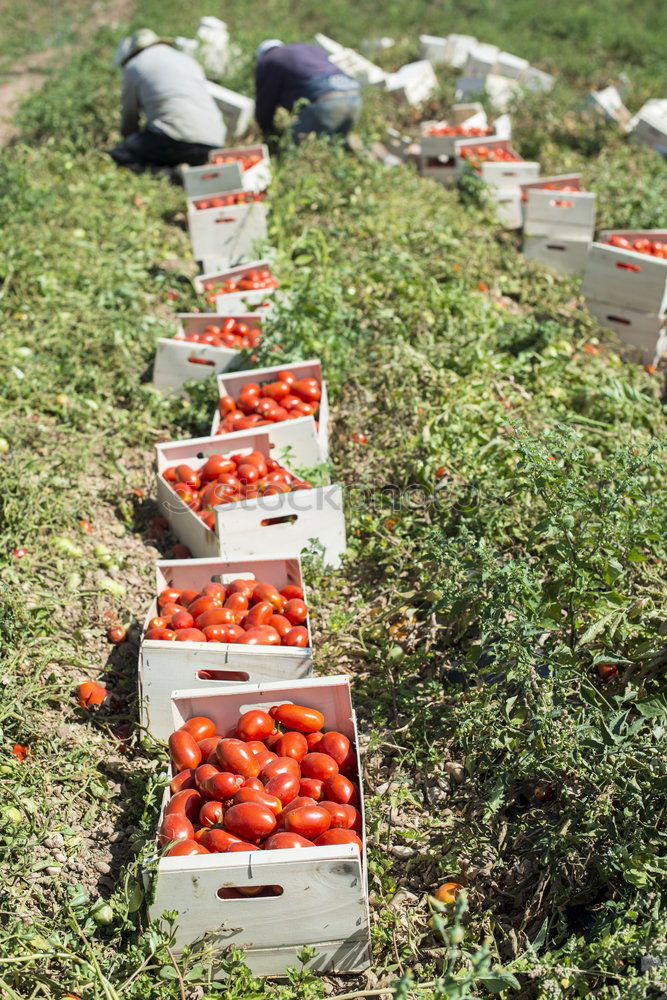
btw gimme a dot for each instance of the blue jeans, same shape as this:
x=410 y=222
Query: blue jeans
x=333 y=114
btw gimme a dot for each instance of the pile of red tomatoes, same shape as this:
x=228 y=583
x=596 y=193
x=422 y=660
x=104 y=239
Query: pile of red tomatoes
x=250 y=281
x=230 y=332
x=654 y=248
x=459 y=130
x=226 y=200
x=286 y=398
x=275 y=781
x=222 y=480
x=246 y=612
x=476 y=155
x=245 y=162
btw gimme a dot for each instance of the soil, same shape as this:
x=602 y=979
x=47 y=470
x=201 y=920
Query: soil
x=31 y=72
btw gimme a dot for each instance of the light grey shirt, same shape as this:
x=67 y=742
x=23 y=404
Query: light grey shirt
x=169 y=89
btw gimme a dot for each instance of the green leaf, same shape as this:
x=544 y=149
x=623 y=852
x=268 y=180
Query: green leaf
x=496 y=981
x=168 y=972
x=652 y=708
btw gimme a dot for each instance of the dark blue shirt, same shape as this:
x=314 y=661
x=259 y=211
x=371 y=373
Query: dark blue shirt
x=290 y=72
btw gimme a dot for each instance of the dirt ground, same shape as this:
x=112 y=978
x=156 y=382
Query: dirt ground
x=30 y=72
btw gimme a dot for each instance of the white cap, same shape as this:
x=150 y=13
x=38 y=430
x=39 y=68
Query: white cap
x=133 y=44
x=266 y=45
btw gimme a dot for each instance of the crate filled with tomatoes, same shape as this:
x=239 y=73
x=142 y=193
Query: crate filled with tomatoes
x=625 y=286
x=503 y=170
x=215 y=623
x=291 y=400
x=230 y=290
x=558 y=222
x=261 y=835
x=226 y=496
x=239 y=168
x=227 y=227
x=204 y=344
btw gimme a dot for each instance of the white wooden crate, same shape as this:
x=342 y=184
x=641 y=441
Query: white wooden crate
x=510 y=65
x=642 y=330
x=233 y=301
x=493 y=143
x=298 y=441
x=434 y=48
x=609 y=104
x=510 y=175
x=220 y=178
x=413 y=83
x=445 y=145
x=649 y=125
x=165 y=666
x=458 y=47
x=282 y=522
x=557 y=180
x=508 y=206
x=568 y=256
x=462 y=112
x=229 y=233
x=236 y=109
x=324 y=900
x=569 y=216
x=481 y=61
x=634 y=280
x=536 y=80
x=177 y=361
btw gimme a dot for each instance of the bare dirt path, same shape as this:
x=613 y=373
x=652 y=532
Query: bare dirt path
x=30 y=72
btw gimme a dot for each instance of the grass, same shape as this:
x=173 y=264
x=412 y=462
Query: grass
x=506 y=525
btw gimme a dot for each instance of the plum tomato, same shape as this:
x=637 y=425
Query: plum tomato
x=292 y=745
x=250 y=820
x=255 y=725
x=308 y=821
x=335 y=836
x=222 y=786
x=283 y=840
x=200 y=728
x=318 y=765
x=312 y=787
x=336 y=745
x=185 y=803
x=338 y=788
x=184 y=750
x=298 y=717
x=186 y=848
x=175 y=827
x=234 y=756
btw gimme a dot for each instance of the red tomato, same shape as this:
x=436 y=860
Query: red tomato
x=340 y=789
x=202 y=773
x=211 y=813
x=308 y=821
x=318 y=765
x=185 y=803
x=267 y=592
x=306 y=389
x=313 y=739
x=241 y=846
x=186 y=848
x=218 y=633
x=281 y=841
x=217 y=464
x=298 y=718
x=164 y=634
x=215 y=616
x=295 y=611
x=250 y=820
x=175 y=827
x=292 y=745
x=312 y=787
x=300 y=800
x=168 y=596
x=253 y=783
x=297 y=637
x=90 y=693
x=182 y=620
x=219 y=841
x=263 y=797
x=338 y=836
x=336 y=745
x=281 y=765
x=202 y=604
x=157 y=623
x=185 y=474
x=222 y=786
x=284 y=786
x=264 y=756
x=187 y=597
x=255 y=745
x=259 y=635
x=291 y=591
x=184 y=750
x=200 y=728
x=280 y=624
x=343 y=816
x=184 y=779
x=234 y=756
x=190 y=635
x=255 y=725
x=237 y=602
x=259 y=614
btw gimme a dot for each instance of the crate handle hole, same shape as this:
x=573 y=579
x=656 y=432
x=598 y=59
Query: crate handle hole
x=628 y=267
x=246 y=892
x=554 y=246
x=269 y=522
x=619 y=319
x=211 y=175
x=223 y=675
x=561 y=204
x=199 y=361
x=223 y=219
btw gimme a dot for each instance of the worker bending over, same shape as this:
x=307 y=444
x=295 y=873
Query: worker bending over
x=181 y=120
x=287 y=74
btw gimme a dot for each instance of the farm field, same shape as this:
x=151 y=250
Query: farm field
x=506 y=508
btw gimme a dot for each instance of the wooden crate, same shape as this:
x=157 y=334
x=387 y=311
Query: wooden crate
x=434 y=146
x=230 y=233
x=213 y=179
x=177 y=361
x=568 y=256
x=282 y=522
x=236 y=301
x=639 y=329
x=165 y=666
x=567 y=216
x=324 y=902
x=297 y=441
x=630 y=279
x=508 y=206
x=236 y=109
x=510 y=175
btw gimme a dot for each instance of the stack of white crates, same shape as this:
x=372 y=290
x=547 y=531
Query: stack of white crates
x=627 y=290
x=558 y=222
x=504 y=178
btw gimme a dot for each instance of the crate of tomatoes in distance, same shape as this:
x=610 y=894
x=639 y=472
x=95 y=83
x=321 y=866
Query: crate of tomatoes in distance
x=248 y=286
x=439 y=138
x=228 y=497
x=216 y=623
x=261 y=834
x=558 y=222
x=290 y=399
x=238 y=168
x=204 y=344
x=503 y=170
x=227 y=227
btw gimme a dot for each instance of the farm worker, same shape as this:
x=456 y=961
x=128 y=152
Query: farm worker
x=181 y=120
x=287 y=74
